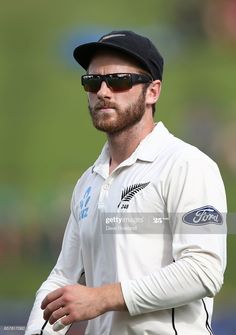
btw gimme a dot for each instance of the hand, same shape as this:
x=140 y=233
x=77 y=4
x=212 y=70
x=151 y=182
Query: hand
x=78 y=302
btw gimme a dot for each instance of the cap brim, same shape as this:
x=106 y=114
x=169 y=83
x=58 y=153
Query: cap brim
x=84 y=53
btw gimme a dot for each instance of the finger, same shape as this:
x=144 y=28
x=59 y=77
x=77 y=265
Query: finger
x=52 y=308
x=51 y=297
x=58 y=326
x=69 y=319
x=58 y=315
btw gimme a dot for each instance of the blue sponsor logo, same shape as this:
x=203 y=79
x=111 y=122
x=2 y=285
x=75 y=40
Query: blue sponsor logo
x=84 y=204
x=203 y=216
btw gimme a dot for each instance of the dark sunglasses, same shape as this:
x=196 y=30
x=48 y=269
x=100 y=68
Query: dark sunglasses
x=117 y=82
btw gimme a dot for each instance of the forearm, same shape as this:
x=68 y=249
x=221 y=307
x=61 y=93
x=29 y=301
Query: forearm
x=175 y=285
x=111 y=297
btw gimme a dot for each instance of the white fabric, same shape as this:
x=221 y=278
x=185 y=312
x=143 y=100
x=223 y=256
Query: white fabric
x=169 y=270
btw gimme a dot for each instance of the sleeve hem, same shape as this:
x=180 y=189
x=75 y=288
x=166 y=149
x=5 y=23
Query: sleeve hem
x=127 y=294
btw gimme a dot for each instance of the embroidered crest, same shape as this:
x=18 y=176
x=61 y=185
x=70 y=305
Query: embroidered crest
x=129 y=192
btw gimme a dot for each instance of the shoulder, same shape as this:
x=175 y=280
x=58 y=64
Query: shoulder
x=185 y=163
x=82 y=182
x=183 y=153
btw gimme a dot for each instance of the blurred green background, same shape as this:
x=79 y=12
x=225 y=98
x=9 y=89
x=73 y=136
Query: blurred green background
x=46 y=136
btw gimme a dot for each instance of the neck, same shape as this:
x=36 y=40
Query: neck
x=123 y=144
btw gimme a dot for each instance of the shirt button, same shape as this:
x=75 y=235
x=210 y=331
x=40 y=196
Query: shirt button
x=106 y=187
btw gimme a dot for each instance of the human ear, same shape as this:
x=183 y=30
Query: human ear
x=153 y=92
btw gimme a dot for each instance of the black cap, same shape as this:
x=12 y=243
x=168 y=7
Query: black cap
x=127 y=42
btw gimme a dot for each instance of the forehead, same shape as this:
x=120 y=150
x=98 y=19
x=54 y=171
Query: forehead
x=108 y=60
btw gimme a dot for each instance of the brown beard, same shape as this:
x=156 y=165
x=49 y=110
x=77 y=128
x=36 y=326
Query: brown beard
x=123 y=120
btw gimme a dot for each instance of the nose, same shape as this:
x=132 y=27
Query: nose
x=104 y=90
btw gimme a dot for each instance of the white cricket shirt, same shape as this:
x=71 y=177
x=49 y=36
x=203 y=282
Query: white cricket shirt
x=157 y=225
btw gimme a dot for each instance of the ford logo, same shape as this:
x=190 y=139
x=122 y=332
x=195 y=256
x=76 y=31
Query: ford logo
x=203 y=216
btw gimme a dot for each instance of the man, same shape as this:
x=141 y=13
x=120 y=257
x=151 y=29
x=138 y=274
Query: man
x=146 y=219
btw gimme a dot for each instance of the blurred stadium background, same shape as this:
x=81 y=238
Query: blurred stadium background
x=47 y=140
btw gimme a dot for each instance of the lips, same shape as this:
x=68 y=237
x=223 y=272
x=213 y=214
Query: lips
x=104 y=107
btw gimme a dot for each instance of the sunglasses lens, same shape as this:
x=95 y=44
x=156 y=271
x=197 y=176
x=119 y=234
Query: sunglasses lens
x=119 y=82
x=91 y=83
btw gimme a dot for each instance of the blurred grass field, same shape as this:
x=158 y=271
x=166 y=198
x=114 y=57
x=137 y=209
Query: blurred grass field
x=47 y=140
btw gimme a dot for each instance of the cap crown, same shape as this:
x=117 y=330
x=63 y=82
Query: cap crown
x=138 y=47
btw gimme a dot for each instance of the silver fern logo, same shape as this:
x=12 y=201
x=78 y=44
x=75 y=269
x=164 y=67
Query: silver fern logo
x=129 y=192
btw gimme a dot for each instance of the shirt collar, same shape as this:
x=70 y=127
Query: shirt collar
x=153 y=143
x=147 y=150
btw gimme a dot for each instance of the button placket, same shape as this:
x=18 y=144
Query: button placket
x=104 y=193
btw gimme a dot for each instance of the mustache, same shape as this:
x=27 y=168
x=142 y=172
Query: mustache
x=104 y=104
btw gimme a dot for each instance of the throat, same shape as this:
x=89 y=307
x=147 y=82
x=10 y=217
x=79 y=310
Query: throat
x=120 y=151
x=123 y=144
